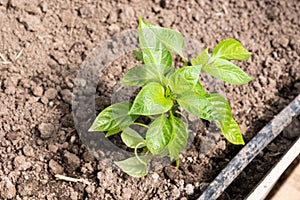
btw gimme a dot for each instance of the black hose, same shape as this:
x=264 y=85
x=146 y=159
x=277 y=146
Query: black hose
x=248 y=153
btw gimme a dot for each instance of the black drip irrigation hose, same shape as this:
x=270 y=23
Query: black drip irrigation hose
x=248 y=153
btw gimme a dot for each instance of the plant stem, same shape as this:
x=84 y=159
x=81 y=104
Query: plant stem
x=136 y=154
x=184 y=61
x=141 y=124
x=151 y=117
x=185 y=119
x=177 y=163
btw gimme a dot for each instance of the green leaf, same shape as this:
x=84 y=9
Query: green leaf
x=229 y=127
x=131 y=138
x=231 y=131
x=230 y=49
x=160 y=58
x=155 y=38
x=198 y=105
x=154 y=51
x=113 y=132
x=227 y=71
x=113 y=117
x=171 y=39
x=133 y=167
x=138 y=55
x=158 y=135
x=171 y=71
x=179 y=137
x=141 y=75
x=151 y=100
x=201 y=59
x=164 y=153
x=184 y=79
x=198 y=89
x=221 y=105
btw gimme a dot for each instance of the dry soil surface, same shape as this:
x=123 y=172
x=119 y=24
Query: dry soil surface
x=42 y=45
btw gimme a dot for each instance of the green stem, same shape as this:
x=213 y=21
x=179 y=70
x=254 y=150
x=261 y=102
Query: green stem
x=173 y=97
x=140 y=124
x=185 y=119
x=184 y=61
x=145 y=151
x=174 y=107
x=177 y=163
x=136 y=154
x=151 y=117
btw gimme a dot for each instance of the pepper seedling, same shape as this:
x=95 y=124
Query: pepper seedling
x=166 y=92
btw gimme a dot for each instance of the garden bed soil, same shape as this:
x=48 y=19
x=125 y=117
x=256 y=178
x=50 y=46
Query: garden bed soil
x=43 y=44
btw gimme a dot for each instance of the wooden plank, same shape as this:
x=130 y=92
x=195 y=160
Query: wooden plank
x=291 y=187
x=265 y=186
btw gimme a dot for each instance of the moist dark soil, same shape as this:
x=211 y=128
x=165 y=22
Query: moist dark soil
x=43 y=44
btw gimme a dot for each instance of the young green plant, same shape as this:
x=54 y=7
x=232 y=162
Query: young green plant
x=166 y=92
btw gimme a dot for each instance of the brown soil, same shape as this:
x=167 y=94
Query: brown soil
x=43 y=43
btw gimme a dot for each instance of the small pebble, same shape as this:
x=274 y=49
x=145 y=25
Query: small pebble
x=53 y=148
x=90 y=189
x=283 y=41
x=69 y=82
x=66 y=95
x=175 y=193
x=74 y=195
x=155 y=177
x=73 y=138
x=38 y=91
x=44 y=6
x=181 y=184
x=50 y=94
x=72 y=161
x=31 y=22
x=87 y=156
x=190 y=159
x=20 y=163
x=8 y=189
x=28 y=151
x=189 y=189
x=44 y=100
x=127 y=192
x=114 y=28
x=55 y=168
x=47 y=130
